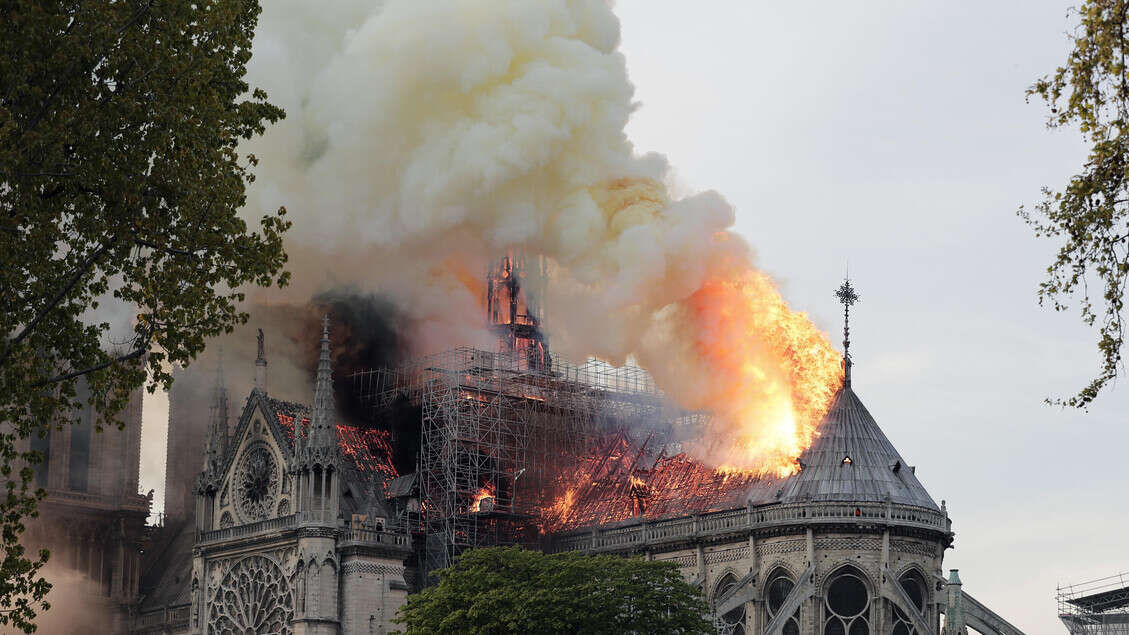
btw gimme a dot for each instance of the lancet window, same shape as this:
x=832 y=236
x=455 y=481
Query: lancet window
x=776 y=593
x=733 y=622
x=847 y=601
x=914 y=587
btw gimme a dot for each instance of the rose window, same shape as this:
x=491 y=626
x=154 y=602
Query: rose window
x=253 y=598
x=256 y=483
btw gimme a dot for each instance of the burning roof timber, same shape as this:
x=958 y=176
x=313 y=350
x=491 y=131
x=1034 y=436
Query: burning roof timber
x=366 y=451
x=596 y=445
x=621 y=483
x=851 y=460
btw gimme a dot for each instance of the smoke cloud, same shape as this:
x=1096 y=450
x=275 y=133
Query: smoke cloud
x=78 y=606
x=423 y=139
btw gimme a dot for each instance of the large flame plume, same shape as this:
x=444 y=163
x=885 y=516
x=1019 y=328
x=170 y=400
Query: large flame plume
x=766 y=372
x=774 y=372
x=425 y=138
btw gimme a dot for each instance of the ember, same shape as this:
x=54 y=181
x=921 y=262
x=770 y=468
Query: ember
x=483 y=499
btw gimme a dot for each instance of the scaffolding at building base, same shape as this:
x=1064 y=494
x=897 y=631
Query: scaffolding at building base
x=498 y=438
x=1097 y=607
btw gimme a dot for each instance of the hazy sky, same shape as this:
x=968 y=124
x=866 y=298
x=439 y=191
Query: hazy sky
x=895 y=136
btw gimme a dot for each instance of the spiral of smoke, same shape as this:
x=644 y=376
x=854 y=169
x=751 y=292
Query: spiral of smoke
x=424 y=138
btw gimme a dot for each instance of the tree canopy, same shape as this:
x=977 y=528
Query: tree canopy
x=1090 y=216
x=511 y=590
x=120 y=181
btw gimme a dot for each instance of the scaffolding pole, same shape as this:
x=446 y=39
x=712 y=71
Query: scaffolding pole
x=497 y=437
x=1097 y=607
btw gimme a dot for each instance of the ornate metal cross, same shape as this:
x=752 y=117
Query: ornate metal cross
x=847 y=296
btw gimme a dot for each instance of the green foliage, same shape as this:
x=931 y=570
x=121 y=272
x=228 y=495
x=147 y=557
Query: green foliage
x=511 y=590
x=119 y=176
x=1091 y=215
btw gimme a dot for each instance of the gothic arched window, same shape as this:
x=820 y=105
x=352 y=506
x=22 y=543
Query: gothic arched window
x=775 y=594
x=914 y=586
x=847 y=599
x=733 y=622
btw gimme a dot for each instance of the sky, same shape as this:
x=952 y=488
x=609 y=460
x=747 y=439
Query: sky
x=894 y=138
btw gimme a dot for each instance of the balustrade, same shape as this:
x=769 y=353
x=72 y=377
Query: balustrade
x=250 y=529
x=625 y=536
x=359 y=535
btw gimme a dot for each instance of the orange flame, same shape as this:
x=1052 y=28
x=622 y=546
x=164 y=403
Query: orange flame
x=772 y=372
x=482 y=494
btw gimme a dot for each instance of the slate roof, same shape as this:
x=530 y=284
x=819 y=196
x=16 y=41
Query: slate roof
x=852 y=460
x=165 y=581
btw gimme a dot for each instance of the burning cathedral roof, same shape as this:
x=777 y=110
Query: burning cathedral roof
x=368 y=451
x=851 y=460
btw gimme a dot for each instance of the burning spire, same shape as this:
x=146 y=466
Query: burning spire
x=847 y=296
x=513 y=309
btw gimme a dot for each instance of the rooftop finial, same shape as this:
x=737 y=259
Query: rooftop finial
x=847 y=296
x=261 y=366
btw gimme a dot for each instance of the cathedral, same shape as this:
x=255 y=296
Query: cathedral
x=301 y=523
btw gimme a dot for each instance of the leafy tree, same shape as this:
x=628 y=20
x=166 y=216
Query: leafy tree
x=1091 y=215
x=511 y=590
x=119 y=177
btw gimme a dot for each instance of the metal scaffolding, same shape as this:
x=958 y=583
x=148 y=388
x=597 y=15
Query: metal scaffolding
x=499 y=437
x=1098 y=607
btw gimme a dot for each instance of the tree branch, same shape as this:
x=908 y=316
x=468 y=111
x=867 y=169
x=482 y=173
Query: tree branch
x=172 y=250
x=134 y=354
x=82 y=269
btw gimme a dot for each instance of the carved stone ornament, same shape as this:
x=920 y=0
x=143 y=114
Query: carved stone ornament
x=254 y=597
x=256 y=483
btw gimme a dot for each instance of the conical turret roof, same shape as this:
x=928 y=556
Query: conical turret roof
x=852 y=461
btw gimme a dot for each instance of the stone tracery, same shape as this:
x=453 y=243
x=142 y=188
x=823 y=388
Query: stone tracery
x=254 y=597
x=256 y=483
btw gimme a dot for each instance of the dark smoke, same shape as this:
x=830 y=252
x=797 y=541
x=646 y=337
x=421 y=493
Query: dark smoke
x=367 y=331
x=365 y=334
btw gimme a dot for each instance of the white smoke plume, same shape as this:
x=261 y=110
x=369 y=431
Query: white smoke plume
x=424 y=138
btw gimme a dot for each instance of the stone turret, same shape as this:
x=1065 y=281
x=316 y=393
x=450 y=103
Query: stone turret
x=322 y=441
x=215 y=447
x=215 y=453
x=954 y=614
x=315 y=470
x=316 y=455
